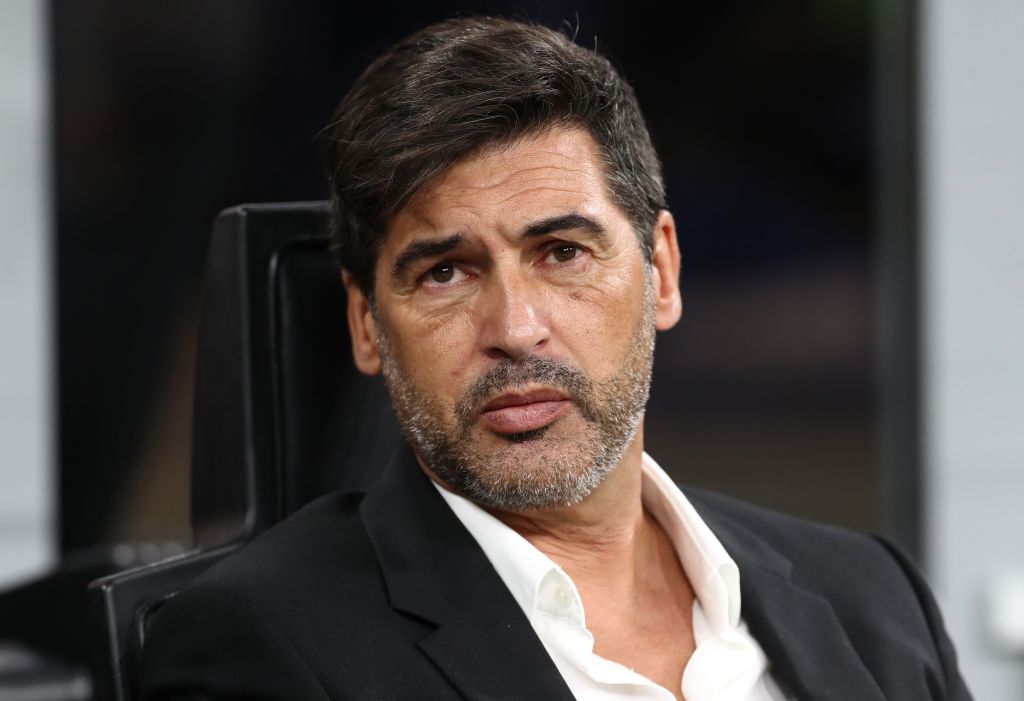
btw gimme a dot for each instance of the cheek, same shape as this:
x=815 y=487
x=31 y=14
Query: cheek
x=434 y=351
x=599 y=320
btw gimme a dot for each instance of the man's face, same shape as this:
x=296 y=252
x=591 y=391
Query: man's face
x=514 y=324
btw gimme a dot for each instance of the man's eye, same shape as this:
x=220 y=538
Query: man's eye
x=444 y=274
x=565 y=252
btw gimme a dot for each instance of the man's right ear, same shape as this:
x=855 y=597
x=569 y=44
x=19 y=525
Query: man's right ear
x=362 y=327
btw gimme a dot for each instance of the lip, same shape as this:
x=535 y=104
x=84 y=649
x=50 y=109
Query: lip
x=518 y=412
x=510 y=399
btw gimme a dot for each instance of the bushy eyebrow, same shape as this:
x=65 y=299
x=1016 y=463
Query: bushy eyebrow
x=564 y=222
x=418 y=250
x=428 y=248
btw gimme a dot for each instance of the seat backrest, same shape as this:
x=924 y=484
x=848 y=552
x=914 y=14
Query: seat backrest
x=281 y=414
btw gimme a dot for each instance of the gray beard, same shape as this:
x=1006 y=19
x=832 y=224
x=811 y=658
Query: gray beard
x=530 y=471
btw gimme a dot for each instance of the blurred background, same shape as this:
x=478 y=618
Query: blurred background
x=846 y=177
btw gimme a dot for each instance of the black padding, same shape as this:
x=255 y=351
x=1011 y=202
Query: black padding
x=121 y=606
x=337 y=424
x=281 y=414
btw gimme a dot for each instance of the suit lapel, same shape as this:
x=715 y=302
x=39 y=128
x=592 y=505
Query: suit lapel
x=803 y=639
x=484 y=644
x=434 y=570
x=491 y=652
x=809 y=651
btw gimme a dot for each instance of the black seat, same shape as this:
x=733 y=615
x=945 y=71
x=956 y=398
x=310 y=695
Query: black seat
x=281 y=414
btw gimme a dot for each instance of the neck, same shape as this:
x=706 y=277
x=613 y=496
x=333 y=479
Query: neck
x=636 y=596
x=606 y=538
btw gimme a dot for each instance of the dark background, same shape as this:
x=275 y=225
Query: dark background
x=765 y=115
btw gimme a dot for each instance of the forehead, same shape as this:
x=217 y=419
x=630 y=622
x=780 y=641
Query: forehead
x=558 y=169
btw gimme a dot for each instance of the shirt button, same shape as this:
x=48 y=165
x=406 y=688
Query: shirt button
x=562 y=597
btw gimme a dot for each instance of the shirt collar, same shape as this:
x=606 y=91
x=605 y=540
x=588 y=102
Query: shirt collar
x=524 y=569
x=713 y=574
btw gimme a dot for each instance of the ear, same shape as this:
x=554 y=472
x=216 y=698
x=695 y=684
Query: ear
x=665 y=273
x=362 y=327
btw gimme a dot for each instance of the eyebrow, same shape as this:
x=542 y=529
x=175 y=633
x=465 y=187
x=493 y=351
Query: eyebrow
x=418 y=250
x=564 y=222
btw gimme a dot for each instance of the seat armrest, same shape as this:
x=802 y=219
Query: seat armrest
x=120 y=606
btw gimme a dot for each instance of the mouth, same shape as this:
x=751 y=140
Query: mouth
x=520 y=412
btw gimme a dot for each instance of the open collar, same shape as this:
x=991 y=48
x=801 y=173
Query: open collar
x=485 y=646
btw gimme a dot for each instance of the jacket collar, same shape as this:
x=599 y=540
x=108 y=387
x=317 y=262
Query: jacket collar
x=798 y=629
x=485 y=646
x=434 y=570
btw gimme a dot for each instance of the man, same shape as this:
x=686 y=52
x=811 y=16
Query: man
x=500 y=218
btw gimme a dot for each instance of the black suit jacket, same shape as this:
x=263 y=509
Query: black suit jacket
x=385 y=595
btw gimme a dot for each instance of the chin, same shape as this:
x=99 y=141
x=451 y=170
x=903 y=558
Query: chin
x=519 y=473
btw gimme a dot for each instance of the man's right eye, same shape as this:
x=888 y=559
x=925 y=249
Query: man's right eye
x=443 y=274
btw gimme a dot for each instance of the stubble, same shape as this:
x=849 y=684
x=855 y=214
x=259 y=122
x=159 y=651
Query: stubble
x=537 y=469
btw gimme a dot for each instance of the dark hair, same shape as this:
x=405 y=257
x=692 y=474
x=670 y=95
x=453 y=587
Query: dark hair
x=461 y=85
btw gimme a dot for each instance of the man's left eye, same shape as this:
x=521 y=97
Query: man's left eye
x=564 y=252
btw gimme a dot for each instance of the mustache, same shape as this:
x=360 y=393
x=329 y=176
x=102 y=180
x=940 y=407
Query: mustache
x=512 y=374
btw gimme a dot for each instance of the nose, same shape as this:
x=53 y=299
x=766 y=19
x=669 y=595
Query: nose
x=513 y=319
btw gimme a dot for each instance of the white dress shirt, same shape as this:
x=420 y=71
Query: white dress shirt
x=727 y=665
